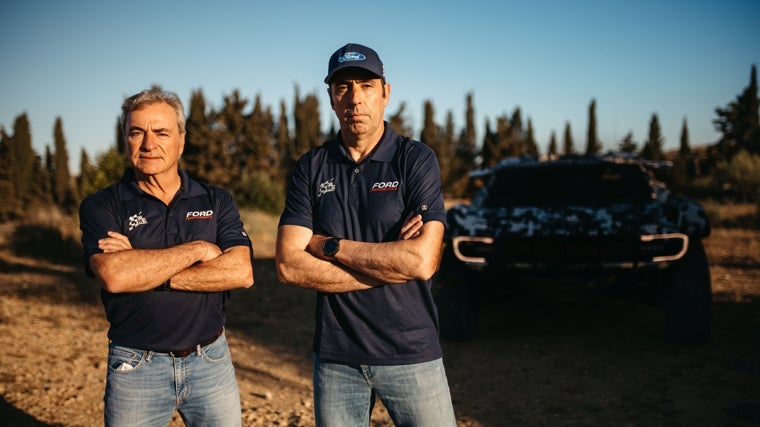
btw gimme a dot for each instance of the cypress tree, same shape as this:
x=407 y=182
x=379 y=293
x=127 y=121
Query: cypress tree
x=196 y=158
x=8 y=201
x=503 y=142
x=513 y=142
x=399 y=122
x=531 y=148
x=464 y=155
x=84 y=181
x=441 y=141
x=447 y=160
x=552 y=148
x=470 y=137
x=62 y=188
x=739 y=123
x=261 y=139
x=686 y=155
x=429 y=133
x=233 y=135
x=627 y=145
x=284 y=144
x=307 y=124
x=50 y=172
x=592 y=141
x=569 y=145
x=24 y=159
x=652 y=149
x=40 y=189
x=489 y=154
x=684 y=166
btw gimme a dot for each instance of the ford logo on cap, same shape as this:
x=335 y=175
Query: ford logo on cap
x=352 y=56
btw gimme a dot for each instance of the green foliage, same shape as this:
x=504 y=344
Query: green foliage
x=109 y=167
x=741 y=176
x=8 y=201
x=257 y=190
x=63 y=192
x=282 y=164
x=48 y=233
x=652 y=149
x=23 y=159
x=252 y=152
x=400 y=122
x=739 y=123
x=627 y=144
x=196 y=158
x=531 y=148
x=551 y=150
x=568 y=143
x=307 y=125
x=592 y=140
x=46 y=242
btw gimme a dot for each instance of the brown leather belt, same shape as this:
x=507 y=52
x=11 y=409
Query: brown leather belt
x=188 y=351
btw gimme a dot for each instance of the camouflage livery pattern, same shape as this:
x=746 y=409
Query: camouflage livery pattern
x=531 y=214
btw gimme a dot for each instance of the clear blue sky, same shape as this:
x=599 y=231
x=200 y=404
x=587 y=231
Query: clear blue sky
x=679 y=59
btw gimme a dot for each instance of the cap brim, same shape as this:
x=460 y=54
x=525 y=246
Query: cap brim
x=340 y=69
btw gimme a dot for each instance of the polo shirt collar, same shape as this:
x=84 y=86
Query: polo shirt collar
x=128 y=188
x=383 y=151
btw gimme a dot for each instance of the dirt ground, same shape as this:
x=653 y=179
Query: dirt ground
x=540 y=359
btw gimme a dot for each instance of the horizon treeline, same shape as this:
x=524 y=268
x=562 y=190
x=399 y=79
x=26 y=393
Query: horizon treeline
x=250 y=150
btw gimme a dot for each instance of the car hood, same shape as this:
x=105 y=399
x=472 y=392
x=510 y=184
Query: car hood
x=623 y=219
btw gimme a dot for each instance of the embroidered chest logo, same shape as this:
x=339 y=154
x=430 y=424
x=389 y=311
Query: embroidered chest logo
x=384 y=186
x=136 y=221
x=192 y=215
x=326 y=187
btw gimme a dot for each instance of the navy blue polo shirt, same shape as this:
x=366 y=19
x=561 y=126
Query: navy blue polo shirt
x=369 y=201
x=168 y=320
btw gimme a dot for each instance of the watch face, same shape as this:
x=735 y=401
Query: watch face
x=331 y=247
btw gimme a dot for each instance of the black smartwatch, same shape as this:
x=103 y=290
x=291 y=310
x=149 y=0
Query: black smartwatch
x=331 y=247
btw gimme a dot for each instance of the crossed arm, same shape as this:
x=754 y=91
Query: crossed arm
x=358 y=265
x=193 y=266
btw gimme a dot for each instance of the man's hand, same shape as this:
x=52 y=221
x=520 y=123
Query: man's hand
x=411 y=227
x=115 y=242
x=212 y=251
x=409 y=230
x=315 y=246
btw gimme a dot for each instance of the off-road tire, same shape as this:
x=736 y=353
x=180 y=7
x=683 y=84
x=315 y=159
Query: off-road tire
x=456 y=295
x=688 y=298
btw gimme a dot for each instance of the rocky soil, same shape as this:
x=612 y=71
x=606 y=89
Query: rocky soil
x=541 y=358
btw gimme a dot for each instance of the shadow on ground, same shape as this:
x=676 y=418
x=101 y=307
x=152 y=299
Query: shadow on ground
x=556 y=359
x=12 y=416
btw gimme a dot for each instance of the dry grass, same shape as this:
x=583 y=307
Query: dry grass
x=732 y=215
x=537 y=360
x=262 y=227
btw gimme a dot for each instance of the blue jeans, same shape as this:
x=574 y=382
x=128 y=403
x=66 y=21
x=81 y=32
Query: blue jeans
x=414 y=395
x=144 y=388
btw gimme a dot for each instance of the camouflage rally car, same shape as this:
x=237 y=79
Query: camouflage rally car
x=593 y=215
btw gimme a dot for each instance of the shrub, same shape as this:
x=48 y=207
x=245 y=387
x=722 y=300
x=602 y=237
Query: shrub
x=258 y=190
x=47 y=234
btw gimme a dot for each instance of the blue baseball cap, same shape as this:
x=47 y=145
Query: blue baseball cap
x=355 y=55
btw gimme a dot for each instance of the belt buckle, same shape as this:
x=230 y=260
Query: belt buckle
x=188 y=351
x=181 y=353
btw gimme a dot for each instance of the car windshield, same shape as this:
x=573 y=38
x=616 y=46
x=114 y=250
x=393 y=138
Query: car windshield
x=545 y=184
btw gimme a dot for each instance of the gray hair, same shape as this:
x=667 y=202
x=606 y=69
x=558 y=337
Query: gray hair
x=152 y=96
